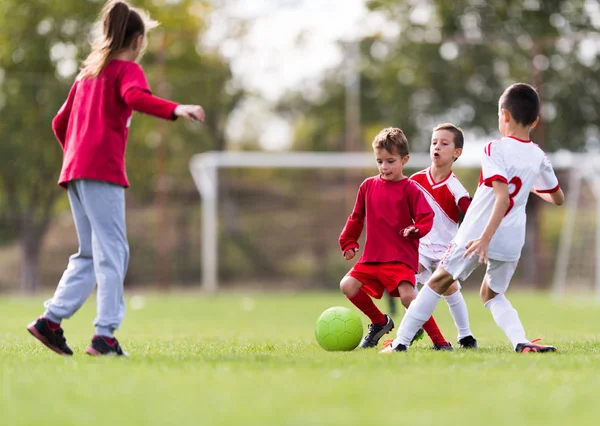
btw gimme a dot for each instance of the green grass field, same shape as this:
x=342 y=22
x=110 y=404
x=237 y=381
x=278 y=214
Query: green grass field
x=252 y=360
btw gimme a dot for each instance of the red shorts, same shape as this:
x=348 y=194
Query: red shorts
x=377 y=277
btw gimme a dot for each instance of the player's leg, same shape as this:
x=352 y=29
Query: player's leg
x=392 y=304
x=453 y=267
x=358 y=286
x=493 y=287
x=407 y=295
x=75 y=285
x=458 y=309
x=106 y=206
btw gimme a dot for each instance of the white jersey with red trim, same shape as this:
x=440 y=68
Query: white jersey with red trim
x=443 y=197
x=523 y=166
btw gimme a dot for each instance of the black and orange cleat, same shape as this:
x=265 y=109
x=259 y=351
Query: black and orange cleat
x=387 y=348
x=532 y=347
x=53 y=339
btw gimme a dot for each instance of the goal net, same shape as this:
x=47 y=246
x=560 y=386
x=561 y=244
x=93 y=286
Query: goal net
x=272 y=220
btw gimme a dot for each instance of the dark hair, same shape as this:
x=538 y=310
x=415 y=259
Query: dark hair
x=523 y=103
x=457 y=133
x=393 y=140
x=120 y=24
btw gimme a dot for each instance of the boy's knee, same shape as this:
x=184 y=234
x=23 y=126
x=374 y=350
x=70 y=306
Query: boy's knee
x=349 y=286
x=441 y=281
x=452 y=289
x=486 y=293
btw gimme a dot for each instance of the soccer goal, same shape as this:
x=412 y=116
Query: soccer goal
x=277 y=216
x=578 y=258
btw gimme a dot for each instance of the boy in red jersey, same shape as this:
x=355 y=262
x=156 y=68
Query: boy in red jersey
x=92 y=128
x=449 y=199
x=493 y=231
x=397 y=215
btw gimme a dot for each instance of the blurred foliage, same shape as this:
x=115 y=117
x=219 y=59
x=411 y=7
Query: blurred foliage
x=434 y=61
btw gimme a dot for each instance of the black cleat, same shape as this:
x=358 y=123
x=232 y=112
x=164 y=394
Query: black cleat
x=53 y=339
x=418 y=335
x=100 y=346
x=375 y=333
x=532 y=347
x=447 y=347
x=467 y=342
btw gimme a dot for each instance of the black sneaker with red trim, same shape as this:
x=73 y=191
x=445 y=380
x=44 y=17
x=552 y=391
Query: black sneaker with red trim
x=102 y=345
x=53 y=339
x=532 y=347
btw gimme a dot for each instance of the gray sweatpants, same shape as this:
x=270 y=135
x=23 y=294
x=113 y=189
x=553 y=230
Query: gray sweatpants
x=99 y=212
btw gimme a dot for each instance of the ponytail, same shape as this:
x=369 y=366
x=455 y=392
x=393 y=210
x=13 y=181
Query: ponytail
x=115 y=30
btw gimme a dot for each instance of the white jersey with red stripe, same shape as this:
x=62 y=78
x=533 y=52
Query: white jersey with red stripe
x=523 y=166
x=443 y=197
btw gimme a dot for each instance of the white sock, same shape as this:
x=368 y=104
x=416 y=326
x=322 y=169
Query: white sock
x=418 y=312
x=458 y=310
x=507 y=319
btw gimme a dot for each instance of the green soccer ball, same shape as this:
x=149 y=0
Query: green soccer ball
x=339 y=329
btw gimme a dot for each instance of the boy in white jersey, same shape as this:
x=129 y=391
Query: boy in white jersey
x=493 y=231
x=448 y=199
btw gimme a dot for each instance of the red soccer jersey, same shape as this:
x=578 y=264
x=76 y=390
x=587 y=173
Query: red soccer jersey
x=93 y=124
x=388 y=207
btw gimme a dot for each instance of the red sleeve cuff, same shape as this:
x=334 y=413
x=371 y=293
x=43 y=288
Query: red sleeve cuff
x=349 y=246
x=548 y=191
x=488 y=181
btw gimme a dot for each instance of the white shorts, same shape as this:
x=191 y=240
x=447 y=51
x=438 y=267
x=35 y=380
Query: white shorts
x=498 y=273
x=430 y=266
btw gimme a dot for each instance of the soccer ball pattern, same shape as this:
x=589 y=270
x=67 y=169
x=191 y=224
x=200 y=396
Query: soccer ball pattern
x=339 y=329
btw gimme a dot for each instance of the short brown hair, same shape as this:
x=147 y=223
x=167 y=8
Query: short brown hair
x=457 y=132
x=393 y=140
x=523 y=102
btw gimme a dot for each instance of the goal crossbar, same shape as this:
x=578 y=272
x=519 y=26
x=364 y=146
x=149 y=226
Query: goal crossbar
x=204 y=169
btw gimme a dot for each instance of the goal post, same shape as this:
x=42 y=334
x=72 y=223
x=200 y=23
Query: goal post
x=205 y=170
x=578 y=264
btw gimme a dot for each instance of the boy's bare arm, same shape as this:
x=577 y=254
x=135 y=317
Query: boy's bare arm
x=556 y=197
x=479 y=247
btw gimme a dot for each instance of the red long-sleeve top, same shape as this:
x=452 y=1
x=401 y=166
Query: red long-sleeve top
x=388 y=207
x=93 y=124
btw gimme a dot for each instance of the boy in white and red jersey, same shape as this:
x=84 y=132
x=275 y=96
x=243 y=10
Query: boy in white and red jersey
x=396 y=215
x=493 y=231
x=449 y=200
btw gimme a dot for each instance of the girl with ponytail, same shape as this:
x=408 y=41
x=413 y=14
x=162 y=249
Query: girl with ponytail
x=92 y=128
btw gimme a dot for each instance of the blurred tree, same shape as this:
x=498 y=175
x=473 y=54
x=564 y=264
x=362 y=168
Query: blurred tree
x=42 y=43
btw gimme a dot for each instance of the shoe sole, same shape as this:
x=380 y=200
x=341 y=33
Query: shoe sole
x=42 y=339
x=528 y=350
x=93 y=352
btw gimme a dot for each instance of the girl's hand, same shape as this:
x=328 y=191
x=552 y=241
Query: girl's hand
x=409 y=230
x=349 y=254
x=477 y=247
x=191 y=112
